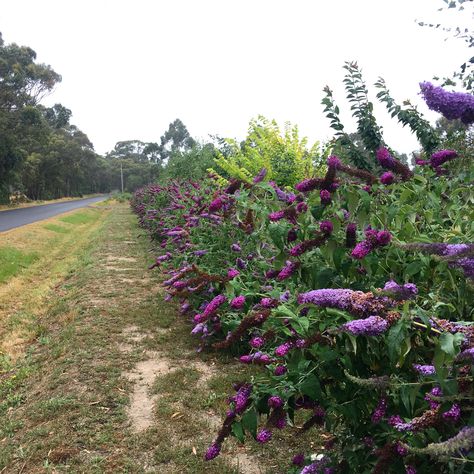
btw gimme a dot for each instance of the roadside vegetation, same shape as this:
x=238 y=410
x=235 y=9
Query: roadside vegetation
x=110 y=380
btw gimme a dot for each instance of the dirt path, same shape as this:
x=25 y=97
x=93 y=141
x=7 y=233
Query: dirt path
x=114 y=383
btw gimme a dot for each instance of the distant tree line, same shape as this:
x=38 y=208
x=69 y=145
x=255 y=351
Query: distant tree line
x=44 y=156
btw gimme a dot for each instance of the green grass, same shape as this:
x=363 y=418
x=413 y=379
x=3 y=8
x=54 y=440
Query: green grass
x=13 y=261
x=57 y=228
x=80 y=218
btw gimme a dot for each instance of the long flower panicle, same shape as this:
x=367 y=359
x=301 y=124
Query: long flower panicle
x=381 y=382
x=467 y=354
x=466 y=265
x=242 y=398
x=213 y=306
x=371 y=326
x=212 y=452
x=357 y=303
x=260 y=176
x=306 y=245
x=232 y=273
x=328 y=298
x=308 y=185
x=283 y=349
x=288 y=270
x=453 y=414
x=452 y=105
x=361 y=250
x=373 y=240
x=387 y=161
x=380 y=410
x=461 y=442
x=442 y=249
x=442 y=156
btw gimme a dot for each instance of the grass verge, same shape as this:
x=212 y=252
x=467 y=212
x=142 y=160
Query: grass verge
x=113 y=383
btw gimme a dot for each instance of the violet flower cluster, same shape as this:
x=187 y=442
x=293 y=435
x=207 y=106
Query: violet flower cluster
x=371 y=326
x=452 y=105
x=400 y=292
x=373 y=240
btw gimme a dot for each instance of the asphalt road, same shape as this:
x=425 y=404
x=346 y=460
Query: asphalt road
x=27 y=215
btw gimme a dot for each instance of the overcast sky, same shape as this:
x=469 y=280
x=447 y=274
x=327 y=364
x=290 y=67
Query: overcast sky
x=129 y=68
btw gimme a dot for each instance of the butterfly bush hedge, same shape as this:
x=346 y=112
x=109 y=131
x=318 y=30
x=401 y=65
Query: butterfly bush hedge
x=351 y=293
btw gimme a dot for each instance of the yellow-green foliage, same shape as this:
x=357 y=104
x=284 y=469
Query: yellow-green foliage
x=284 y=154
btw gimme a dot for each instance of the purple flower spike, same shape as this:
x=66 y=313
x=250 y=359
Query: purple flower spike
x=264 y=436
x=301 y=207
x=214 y=305
x=236 y=248
x=260 y=176
x=401 y=292
x=326 y=227
x=387 y=178
x=379 y=411
x=232 y=273
x=308 y=185
x=441 y=157
x=268 y=302
x=383 y=237
x=453 y=414
x=276 y=216
x=212 y=452
x=298 y=460
x=275 y=402
x=257 y=342
x=334 y=162
x=325 y=196
x=371 y=326
x=287 y=271
x=216 y=205
x=283 y=349
x=361 y=250
x=238 y=302
x=425 y=369
x=453 y=105
x=467 y=354
x=280 y=370
x=384 y=157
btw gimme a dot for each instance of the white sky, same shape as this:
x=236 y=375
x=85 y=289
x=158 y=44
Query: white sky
x=129 y=68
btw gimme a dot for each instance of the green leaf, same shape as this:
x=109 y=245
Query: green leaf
x=238 y=431
x=396 y=336
x=317 y=212
x=282 y=309
x=413 y=268
x=311 y=387
x=249 y=422
x=303 y=324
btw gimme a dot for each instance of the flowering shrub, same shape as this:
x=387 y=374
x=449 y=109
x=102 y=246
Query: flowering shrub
x=353 y=296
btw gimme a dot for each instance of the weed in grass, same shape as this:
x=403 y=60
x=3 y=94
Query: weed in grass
x=80 y=218
x=13 y=261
